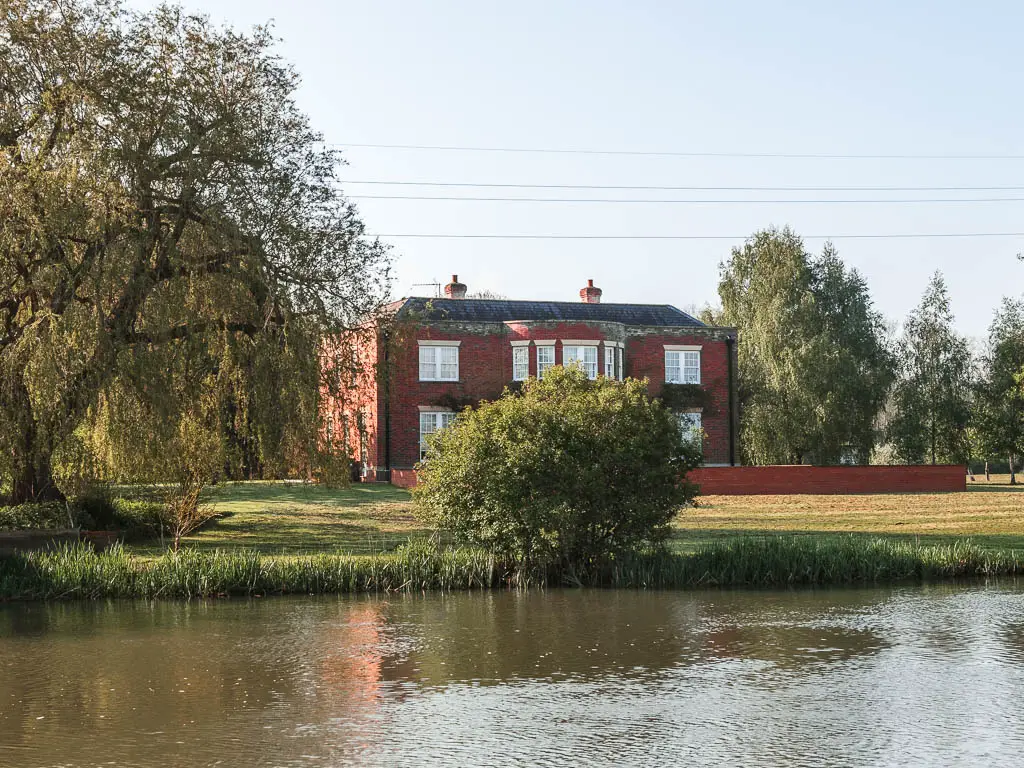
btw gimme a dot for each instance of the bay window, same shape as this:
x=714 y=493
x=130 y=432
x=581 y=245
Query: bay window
x=609 y=362
x=545 y=359
x=585 y=357
x=520 y=362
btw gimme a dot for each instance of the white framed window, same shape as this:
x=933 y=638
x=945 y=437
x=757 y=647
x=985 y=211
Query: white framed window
x=690 y=428
x=609 y=362
x=585 y=357
x=545 y=360
x=439 y=363
x=431 y=422
x=682 y=366
x=520 y=363
x=621 y=363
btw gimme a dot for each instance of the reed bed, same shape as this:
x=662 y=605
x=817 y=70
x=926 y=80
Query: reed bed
x=813 y=560
x=77 y=572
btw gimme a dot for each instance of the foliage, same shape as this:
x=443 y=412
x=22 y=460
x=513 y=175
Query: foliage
x=183 y=514
x=567 y=474
x=931 y=399
x=173 y=245
x=999 y=397
x=51 y=515
x=454 y=402
x=678 y=397
x=814 y=359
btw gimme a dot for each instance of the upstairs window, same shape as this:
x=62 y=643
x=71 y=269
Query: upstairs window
x=682 y=366
x=609 y=362
x=439 y=363
x=431 y=422
x=520 y=363
x=585 y=357
x=545 y=359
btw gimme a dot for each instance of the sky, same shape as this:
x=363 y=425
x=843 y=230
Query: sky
x=708 y=78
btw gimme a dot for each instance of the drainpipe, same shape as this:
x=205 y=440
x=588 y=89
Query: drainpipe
x=386 y=384
x=729 y=345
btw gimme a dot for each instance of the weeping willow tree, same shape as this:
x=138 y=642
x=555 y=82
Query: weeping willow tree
x=173 y=246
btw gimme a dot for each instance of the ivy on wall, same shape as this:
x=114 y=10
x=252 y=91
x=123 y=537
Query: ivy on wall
x=681 y=397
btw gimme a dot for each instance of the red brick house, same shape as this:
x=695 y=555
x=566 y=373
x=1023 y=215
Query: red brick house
x=429 y=357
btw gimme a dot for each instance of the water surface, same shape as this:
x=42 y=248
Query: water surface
x=920 y=676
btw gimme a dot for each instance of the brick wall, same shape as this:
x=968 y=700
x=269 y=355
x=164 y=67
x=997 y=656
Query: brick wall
x=829 y=480
x=356 y=354
x=645 y=356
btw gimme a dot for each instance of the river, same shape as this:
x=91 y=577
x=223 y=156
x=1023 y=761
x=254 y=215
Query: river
x=921 y=675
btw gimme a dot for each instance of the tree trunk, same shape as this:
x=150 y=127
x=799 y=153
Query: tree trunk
x=933 y=441
x=1013 y=474
x=988 y=477
x=33 y=481
x=32 y=465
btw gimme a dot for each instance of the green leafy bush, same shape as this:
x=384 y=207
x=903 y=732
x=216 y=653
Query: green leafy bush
x=51 y=515
x=565 y=476
x=137 y=516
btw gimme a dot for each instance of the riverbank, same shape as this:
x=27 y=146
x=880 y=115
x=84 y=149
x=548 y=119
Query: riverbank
x=81 y=573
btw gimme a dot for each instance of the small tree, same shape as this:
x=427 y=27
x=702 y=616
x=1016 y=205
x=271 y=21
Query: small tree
x=567 y=474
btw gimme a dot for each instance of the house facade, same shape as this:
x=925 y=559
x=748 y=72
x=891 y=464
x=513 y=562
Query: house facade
x=428 y=358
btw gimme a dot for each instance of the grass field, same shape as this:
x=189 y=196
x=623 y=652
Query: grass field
x=294 y=517
x=991 y=514
x=298 y=517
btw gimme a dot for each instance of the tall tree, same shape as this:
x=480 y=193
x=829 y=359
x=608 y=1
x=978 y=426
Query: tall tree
x=166 y=211
x=999 y=401
x=932 y=398
x=814 y=361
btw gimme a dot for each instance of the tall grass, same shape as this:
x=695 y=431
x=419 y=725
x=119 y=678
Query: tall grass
x=79 y=572
x=806 y=560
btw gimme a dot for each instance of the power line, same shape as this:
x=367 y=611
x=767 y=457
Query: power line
x=636 y=187
x=678 y=201
x=644 y=153
x=895 y=236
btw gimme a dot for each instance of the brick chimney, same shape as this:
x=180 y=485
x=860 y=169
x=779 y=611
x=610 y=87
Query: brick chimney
x=590 y=294
x=455 y=289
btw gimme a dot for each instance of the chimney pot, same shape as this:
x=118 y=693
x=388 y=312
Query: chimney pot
x=455 y=289
x=590 y=294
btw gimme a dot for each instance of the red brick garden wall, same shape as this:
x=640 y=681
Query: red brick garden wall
x=740 y=481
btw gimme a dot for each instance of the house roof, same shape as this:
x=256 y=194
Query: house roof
x=505 y=310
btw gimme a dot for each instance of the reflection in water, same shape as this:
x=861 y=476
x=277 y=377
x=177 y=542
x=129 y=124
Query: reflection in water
x=824 y=677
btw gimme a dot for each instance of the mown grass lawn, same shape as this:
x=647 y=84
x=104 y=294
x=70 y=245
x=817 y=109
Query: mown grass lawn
x=990 y=513
x=297 y=517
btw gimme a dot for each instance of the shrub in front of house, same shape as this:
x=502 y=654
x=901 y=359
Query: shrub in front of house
x=568 y=474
